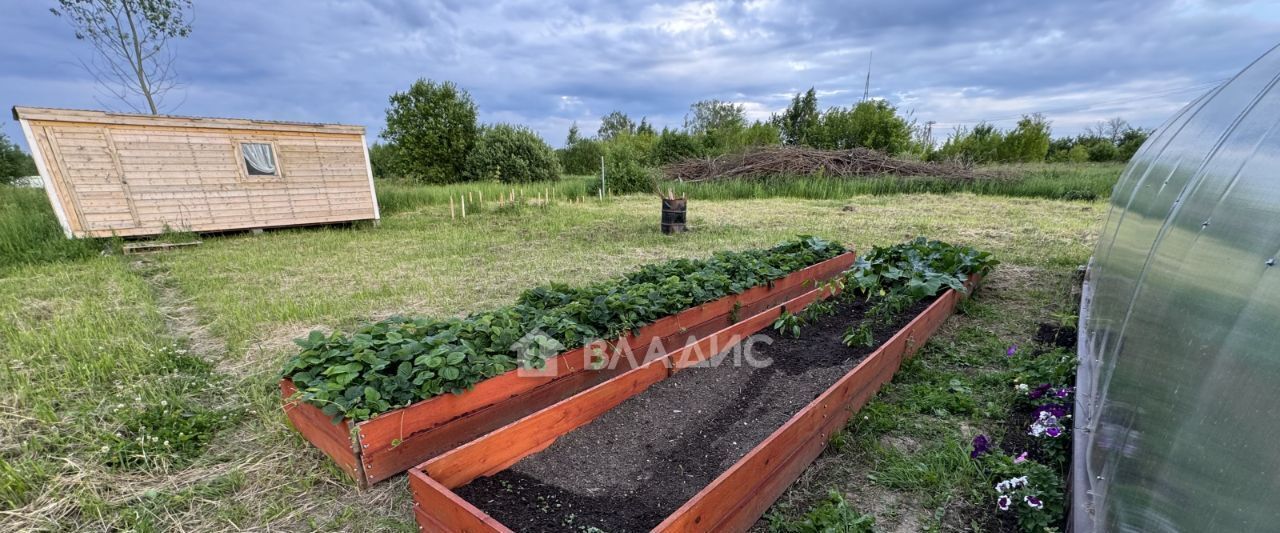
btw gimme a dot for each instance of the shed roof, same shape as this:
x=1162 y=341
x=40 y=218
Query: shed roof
x=135 y=119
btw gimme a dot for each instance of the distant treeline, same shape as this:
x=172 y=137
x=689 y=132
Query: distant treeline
x=432 y=136
x=14 y=163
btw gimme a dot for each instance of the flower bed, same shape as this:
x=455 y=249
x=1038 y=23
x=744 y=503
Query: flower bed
x=546 y=445
x=389 y=442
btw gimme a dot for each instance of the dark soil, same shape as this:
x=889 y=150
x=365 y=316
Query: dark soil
x=1053 y=335
x=636 y=464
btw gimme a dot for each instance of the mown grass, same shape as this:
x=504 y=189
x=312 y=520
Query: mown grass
x=206 y=329
x=905 y=456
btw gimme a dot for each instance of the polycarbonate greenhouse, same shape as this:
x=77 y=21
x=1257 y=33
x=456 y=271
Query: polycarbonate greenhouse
x=1178 y=412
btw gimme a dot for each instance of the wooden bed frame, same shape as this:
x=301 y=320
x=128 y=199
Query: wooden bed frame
x=736 y=499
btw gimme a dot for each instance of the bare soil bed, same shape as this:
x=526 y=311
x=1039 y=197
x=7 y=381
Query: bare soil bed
x=636 y=464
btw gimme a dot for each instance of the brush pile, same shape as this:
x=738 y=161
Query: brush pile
x=793 y=160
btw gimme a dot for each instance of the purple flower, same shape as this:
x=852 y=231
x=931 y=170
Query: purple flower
x=1054 y=432
x=1063 y=392
x=981 y=445
x=1034 y=502
x=1003 y=502
x=1013 y=349
x=1039 y=391
x=1021 y=458
x=1058 y=411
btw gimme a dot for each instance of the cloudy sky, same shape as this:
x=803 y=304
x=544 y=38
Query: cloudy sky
x=548 y=63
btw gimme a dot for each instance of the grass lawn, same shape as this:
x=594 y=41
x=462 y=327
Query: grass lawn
x=140 y=392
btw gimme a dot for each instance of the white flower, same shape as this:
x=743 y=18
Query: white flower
x=164 y=403
x=166 y=443
x=106 y=449
x=1023 y=387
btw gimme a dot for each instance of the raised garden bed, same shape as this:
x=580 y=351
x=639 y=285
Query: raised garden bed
x=669 y=446
x=387 y=444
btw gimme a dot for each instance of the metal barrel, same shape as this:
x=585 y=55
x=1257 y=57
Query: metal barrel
x=673 y=213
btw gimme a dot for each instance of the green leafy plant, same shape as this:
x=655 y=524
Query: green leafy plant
x=819 y=309
x=1030 y=490
x=394 y=362
x=919 y=268
x=831 y=515
x=859 y=336
x=789 y=323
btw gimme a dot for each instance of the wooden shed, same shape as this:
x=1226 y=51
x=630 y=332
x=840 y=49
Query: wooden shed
x=125 y=174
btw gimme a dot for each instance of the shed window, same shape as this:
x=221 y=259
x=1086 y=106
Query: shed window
x=259 y=159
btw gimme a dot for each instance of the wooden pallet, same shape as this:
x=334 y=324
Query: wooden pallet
x=149 y=247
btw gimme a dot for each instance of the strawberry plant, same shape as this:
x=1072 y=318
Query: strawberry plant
x=394 y=362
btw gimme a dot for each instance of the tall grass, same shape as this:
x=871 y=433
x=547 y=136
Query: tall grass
x=29 y=233
x=398 y=196
x=1055 y=181
x=1052 y=181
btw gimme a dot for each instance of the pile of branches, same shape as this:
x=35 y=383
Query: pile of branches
x=793 y=160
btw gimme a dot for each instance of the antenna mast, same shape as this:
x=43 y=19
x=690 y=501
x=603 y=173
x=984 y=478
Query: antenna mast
x=866 y=89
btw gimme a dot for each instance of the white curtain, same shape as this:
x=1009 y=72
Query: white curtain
x=259 y=157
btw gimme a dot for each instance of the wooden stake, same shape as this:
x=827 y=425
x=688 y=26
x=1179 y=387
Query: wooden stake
x=464 y=208
x=481 y=197
x=452 y=215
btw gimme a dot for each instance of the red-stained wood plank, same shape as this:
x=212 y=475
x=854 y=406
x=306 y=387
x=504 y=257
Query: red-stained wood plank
x=438 y=510
x=332 y=439
x=390 y=429
x=736 y=499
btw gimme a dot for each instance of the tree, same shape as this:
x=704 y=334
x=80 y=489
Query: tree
x=615 y=124
x=871 y=124
x=432 y=129
x=14 y=163
x=675 y=145
x=512 y=154
x=645 y=128
x=1028 y=142
x=718 y=124
x=131 y=40
x=801 y=118
x=581 y=158
x=573 y=136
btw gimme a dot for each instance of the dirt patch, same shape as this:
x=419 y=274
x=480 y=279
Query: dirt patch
x=635 y=465
x=181 y=320
x=1053 y=335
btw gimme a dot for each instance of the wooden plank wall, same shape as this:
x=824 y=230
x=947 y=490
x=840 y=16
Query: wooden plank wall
x=138 y=180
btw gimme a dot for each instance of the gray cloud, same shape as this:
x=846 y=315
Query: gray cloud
x=547 y=64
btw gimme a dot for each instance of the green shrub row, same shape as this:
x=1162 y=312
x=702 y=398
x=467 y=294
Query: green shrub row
x=398 y=361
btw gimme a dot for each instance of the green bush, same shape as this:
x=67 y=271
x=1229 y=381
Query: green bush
x=628 y=163
x=675 y=145
x=870 y=124
x=581 y=157
x=1103 y=150
x=397 y=361
x=1026 y=143
x=512 y=154
x=431 y=129
x=979 y=145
